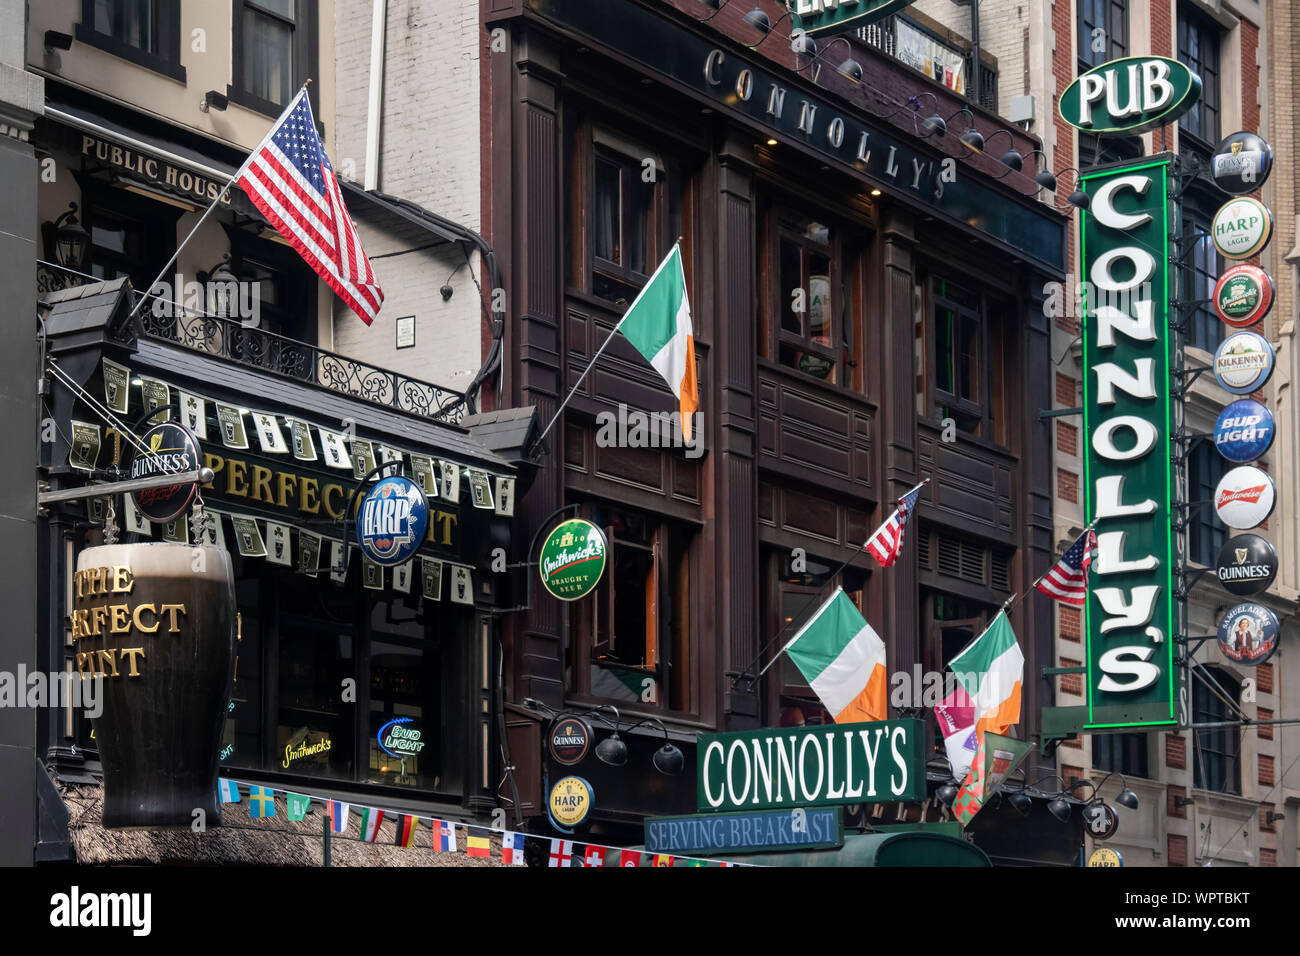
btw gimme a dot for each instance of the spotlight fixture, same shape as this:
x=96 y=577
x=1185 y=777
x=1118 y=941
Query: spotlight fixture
x=934 y=125
x=852 y=69
x=973 y=138
x=759 y=20
x=1079 y=199
x=612 y=751
x=801 y=42
x=668 y=759
x=212 y=100
x=771 y=142
x=1059 y=807
x=1127 y=799
x=994 y=801
x=54 y=40
x=947 y=793
x=875 y=192
x=1021 y=801
x=1013 y=159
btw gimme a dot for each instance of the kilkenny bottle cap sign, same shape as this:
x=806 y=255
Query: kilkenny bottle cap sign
x=170 y=450
x=1241 y=163
x=1248 y=634
x=1243 y=295
x=1243 y=362
x=1244 y=431
x=1242 y=228
x=572 y=559
x=1247 y=564
x=392 y=522
x=570 y=739
x=1245 y=497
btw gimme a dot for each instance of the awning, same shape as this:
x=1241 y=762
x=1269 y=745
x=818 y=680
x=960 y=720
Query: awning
x=880 y=849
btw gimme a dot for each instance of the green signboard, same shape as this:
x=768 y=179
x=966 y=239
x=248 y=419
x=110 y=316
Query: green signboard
x=1129 y=483
x=825 y=17
x=1129 y=95
x=750 y=831
x=572 y=559
x=786 y=767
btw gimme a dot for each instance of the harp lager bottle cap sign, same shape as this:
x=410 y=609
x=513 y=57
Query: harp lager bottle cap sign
x=1242 y=228
x=392 y=522
x=572 y=559
x=1129 y=95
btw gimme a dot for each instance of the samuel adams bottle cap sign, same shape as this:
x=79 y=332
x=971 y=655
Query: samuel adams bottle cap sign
x=392 y=522
x=1245 y=497
x=1243 y=295
x=1244 y=431
x=1241 y=163
x=1247 y=564
x=171 y=450
x=1243 y=362
x=1129 y=95
x=572 y=559
x=1248 y=634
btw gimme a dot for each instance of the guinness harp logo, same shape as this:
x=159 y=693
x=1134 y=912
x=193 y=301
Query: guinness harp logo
x=1241 y=554
x=155 y=441
x=1236 y=147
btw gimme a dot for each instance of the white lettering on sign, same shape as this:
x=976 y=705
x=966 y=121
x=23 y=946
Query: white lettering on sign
x=1133 y=661
x=1149 y=90
x=1121 y=613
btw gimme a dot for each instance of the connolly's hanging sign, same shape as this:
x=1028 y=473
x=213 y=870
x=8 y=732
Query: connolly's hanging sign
x=572 y=559
x=824 y=17
x=1129 y=95
x=873 y=762
x=1128 y=481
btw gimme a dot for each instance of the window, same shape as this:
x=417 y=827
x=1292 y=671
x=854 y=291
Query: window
x=284 y=285
x=1205 y=533
x=274 y=52
x=1102 y=32
x=1096 y=150
x=964 y=360
x=1216 y=752
x=404 y=736
x=635 y=630
x=622 y=226
x=798 y=594
x=1124 y=754
x=129 y=235
x=146 y=32
x=1198 y=48
x=1204 y=265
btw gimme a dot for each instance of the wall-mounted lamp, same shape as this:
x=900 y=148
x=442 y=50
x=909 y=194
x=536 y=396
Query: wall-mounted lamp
x=65 y=239
x=212 y=100
x=54 y=40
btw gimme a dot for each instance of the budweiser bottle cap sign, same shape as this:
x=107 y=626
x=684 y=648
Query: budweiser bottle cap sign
x=1245 y=497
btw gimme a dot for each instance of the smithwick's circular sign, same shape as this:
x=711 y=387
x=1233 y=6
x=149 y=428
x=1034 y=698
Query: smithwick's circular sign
x=1241 y=163
x=1244 y=431
x=1247 y=564
x=570 y=801
x=392 y=522
x=1243 y=295
x=570 y=739
x=1243 y=362
x=1242 y=227
x=400 y=738
x=172 y=449
x=1245 y=497
x=572 y=559
x=1248 y=634
x=1104 y=856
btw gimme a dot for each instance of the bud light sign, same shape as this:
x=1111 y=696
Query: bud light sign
x=393 y=519
x=1244 y=431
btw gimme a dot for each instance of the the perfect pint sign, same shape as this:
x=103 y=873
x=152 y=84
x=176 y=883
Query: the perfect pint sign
x=1127 y=421
x=875 y=762
x=1129 y=95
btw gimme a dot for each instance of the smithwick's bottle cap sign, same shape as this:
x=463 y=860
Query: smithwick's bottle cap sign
x=1243 y=295
x=1241 y=163
x=572 y=559
x=172 y=449
x=1248 y=634
x=1243 y=362
x=1245 y=497
x=392 y=522
x=570 y=801
x=1247 y=564
x=1244 y=431
x=570 y=739
x=1242 y=227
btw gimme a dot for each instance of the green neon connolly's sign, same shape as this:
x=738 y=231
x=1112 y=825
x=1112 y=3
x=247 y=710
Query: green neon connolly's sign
x=1127 y=420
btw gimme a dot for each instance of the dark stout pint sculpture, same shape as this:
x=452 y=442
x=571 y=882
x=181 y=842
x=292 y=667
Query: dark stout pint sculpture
x=156 y=623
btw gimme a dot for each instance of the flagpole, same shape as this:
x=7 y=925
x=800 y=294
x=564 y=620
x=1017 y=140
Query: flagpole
x=1014 y=601
x=554 y=418
x=221 y=195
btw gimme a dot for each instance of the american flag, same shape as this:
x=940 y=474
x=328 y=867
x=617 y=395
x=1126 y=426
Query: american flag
x=887 y=543
x=1067 y=581
x=291 y=182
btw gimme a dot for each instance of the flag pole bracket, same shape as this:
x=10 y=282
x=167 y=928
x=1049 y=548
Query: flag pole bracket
x=1059 y=412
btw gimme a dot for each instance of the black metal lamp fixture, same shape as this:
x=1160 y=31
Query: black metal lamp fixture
x=1022 y=801
x=1078 y=199
x=759 y=20
x=802 y=43
x=668 y=759
x=972 y=137
x=1045 y=178
x=1126 y=798
x=1011 y=158
x=947 y=793
x=213 y=100
x=934 y=124
x=1059 y=807
x=850 y=67
x=66 y=239
x=612 y=751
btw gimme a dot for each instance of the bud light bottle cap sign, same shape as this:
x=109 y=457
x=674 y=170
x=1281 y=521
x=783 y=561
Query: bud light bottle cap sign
x=1244 y=431
x=392 y=521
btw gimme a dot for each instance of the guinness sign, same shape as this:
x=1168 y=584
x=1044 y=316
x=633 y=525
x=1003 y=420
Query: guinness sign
x=170 y=450
x=1248 y=634
x=1247 y=564
x=1241 y=163
x=570 y=739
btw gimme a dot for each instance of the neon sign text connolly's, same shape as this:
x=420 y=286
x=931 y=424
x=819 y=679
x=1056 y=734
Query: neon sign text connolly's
x=1126 y=408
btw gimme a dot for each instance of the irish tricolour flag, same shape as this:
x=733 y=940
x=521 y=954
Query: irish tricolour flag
x=991 y=668
x=843 y=660
x=658 y=323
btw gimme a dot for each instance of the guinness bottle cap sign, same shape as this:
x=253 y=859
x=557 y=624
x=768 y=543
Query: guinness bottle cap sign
x=1241 y=163
x=1247 y=564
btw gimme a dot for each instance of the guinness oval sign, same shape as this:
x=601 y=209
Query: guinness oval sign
x=1242 y=228
x=1244 y=431
x=1241 y=163
x=1243 y=362
x=1245 y=497
x=1243 y=295
x=1247 y=564
x=1248 y=634
x=1129 y=95
x=171 y=450
x=570 y=739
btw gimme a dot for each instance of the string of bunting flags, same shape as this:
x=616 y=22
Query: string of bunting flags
x=444 y=835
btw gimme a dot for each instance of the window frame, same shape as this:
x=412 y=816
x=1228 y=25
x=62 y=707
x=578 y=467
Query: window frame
x=157 y=220
x=1113 y=12
x=166 y=60
x=1213 y=764
x=1207 y=64
x=1205 y=534
x=1127 y=754
x=305 y=56
x=941 y=401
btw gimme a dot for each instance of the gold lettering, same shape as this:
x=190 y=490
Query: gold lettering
x=448 y=521
x=132 y=651
x=261 y=484
x=122 y=579
x=108 y=654
x=284 y=483
x=81 y=663
x=78 y=623
x=79 y=579
x=335 y=512
x=236 y=478
x=94 y=577
x=139 y=624
x=308 y=501
x=216 y=463
x=98 y=617
x=172 y=610
x=121 y=620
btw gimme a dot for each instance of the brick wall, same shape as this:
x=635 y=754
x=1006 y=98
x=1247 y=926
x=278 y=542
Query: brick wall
x=1172 y=809
x=1067 y=438
x=1067 y=485
x=1071 y=683
x=1176 y=845
x=1175 y=752
x=1071 y=623
x=1067 y=394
